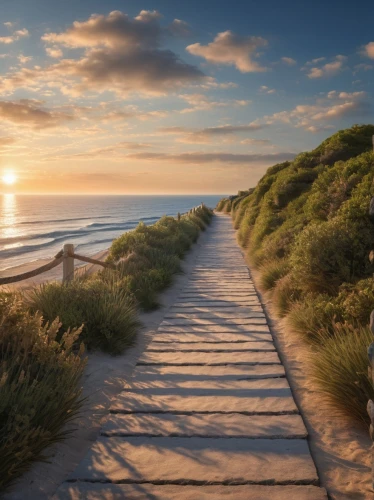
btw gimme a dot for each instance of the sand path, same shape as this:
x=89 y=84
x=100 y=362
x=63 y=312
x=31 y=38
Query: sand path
x=208 y=412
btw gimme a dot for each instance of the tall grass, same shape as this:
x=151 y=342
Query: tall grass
x=39 y=385
x=340 y=370
x=105 y=311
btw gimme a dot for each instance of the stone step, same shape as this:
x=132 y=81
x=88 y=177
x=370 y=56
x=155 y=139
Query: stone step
x=97 y=491
x=198 y=460
x=234 y=322
x=207 y=386
x=210 y=359
x=204 y=373
x=208 y=337
x=256 y=401
x=209 y=346
x=246 y=313
x=207 y=302
x=258 y=328
x=207 y=425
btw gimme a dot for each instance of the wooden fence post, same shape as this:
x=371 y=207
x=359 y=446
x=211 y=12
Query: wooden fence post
x=68 y=263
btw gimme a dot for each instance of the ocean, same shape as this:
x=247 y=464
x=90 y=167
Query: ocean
x=36 y=227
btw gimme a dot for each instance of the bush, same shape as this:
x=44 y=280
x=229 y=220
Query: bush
x=148 y=257
x=105 y=311
x=39 y=386
x=286 y=292
x=328 y=254
x=340 y=370
x=313 y=315
x=273 y=271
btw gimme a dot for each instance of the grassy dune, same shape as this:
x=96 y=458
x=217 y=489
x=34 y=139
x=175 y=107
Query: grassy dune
x=306 y=227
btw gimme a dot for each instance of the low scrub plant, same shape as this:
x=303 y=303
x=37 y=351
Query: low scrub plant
x=148 y=257
x=105 y=311
x=339 y=367
x=272 y=272
x=40 y=371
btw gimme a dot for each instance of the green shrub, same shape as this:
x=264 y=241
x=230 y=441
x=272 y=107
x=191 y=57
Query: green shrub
x=106 y=311
x=286 y=292
x=273 y=271
x=328 y=254
x=39 y=386
x=148 y=257
x=314 y=316
x=357 y=301
x=340 y=370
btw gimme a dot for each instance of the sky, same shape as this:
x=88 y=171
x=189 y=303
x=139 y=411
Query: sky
x=174 y=97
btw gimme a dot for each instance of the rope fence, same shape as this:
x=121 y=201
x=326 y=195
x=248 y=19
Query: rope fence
x=66 y=258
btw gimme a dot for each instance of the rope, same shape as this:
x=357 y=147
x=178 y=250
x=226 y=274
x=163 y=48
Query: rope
x=31 y=274
x=91 y=261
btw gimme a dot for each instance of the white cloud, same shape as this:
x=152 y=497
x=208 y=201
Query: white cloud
x=266 y=90
x=209 y=134
x=289 y=61
x=200 y=102
x=233 y=50
x=337 y=105
x=24 y=59
x=54 y=52
x=369 y=49
x=122 y=55
x=328 y=69
x=15 y=36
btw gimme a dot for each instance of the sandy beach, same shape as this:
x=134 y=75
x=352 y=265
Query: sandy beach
x=52 y=275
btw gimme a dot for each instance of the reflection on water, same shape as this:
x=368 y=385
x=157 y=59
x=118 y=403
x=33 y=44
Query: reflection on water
x=8 y=216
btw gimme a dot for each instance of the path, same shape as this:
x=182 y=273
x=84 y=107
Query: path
x=209 y=413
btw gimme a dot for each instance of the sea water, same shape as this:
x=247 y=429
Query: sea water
x=36 y=227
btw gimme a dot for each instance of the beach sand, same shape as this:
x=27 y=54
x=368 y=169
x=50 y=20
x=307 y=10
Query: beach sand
x=54 y=274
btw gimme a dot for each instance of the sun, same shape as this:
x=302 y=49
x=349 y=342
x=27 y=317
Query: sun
x=9 y=178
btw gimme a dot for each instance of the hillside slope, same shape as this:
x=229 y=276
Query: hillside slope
x=307 y=228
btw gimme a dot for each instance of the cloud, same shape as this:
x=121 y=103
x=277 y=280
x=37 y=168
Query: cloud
x=117 y=29
x=266 y=90
x=112 y=150
x=337 y=105
x=328 y=69
x=29 y=113
x=6 y=141
x=362 y=67
x=200 y=102
x=232 y=50
x=369 y=49
x=24 y=59
x=179 y=28
x=15 y=36
x=206 y=135
x=54 y=52
x=256 y=142
x=198 y=158
x=121 y=55
x=289 y=61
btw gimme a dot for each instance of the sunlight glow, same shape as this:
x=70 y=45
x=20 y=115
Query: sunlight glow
x=9 y=178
